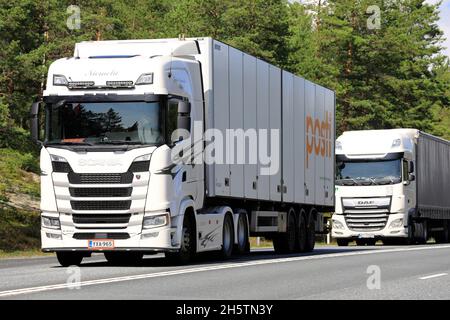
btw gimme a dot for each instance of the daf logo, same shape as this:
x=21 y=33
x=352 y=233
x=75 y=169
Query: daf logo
x=99 y=162
x=365 y=202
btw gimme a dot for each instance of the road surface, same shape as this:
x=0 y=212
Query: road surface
x=389 y=272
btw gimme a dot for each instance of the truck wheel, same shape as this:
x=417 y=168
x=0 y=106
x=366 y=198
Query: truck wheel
x=187 y=249
x=66 y=259
x=443 y=236
x=243 y=244
x=360 y=242
x=310 y=234
x=227 y=237
x=301 y=229
x=342 y=242
x=371 y=242
x=286 y=241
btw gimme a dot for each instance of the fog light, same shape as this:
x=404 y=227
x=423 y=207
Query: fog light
x=397 y=223
x=53 y=236
x=149 y=235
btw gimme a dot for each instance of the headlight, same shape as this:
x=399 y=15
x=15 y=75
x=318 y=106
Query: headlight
x=396 y=143
x=59 y=80
x=146 y=78
x=49 y=222
x=155 y=221
x=397 y=223
x=338 y=145
x=58 y=158
x=145 y=157
x=337 y=225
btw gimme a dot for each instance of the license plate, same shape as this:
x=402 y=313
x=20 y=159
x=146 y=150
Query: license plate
x=101 y=244
x=366 y=236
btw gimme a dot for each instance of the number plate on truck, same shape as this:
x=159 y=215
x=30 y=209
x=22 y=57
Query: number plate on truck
x=101 y=244
x=366 y=236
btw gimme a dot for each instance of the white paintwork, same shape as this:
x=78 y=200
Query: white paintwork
x=239 y=92
x=373 y=144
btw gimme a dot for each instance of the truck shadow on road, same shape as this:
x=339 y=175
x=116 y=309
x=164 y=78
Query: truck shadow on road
x=212 y=258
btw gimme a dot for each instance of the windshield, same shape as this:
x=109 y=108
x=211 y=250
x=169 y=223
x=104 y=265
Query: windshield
x=105 y=123
x=368 y=172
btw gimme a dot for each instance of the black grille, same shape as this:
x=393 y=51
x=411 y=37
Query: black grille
x=92 y=235
x=100 y=192
x=100 y=178
x=139 y=166
x=100 y=218
x=59 y=166
x=100 y=205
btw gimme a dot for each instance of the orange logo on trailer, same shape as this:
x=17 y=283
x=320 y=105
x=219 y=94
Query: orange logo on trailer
x=318 y=137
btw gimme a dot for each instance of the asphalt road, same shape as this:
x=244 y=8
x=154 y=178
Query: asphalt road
x=408 y=272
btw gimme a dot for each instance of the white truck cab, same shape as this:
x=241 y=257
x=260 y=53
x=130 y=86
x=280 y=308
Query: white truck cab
x=384 y=182
x=109 y=179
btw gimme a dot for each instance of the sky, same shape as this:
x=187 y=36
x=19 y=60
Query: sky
x=444 y=22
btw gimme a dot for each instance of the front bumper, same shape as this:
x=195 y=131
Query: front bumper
x=152 y=240
x=386 y=232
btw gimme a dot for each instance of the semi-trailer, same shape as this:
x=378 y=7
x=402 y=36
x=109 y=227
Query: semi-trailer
x=391 y=185
x=180 y=146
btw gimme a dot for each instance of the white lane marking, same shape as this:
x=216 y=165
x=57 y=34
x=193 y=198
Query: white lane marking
x=433 y=276
x=209 y=268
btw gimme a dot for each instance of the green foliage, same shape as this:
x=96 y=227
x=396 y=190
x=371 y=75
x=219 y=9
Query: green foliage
x=18 y=173
x=19 y=229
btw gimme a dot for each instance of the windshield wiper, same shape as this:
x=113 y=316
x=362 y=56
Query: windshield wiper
x=68 y=143
x=346 y=182
x=119 y=142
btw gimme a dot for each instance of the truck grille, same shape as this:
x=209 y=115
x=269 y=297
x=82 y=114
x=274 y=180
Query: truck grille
x=100 y=192
x=100 y=218
x=366 y=214
x=91 y=235
x=100 y=205
x=100 y=178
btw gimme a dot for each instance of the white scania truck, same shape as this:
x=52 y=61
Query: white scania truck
x=110 y=182
x=392 y=185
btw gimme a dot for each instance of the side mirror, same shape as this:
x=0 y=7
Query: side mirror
x=410 y=167
x=411 y=177
x=184 y=107
x=184 y=115
x=184 y=123
x=34 y=127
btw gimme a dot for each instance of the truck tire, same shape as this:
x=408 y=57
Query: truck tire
x=187 y=247
x=243 y=244
x=301 y=230
x=342 y=242
x=124 y=258
x=310 y=234
x=66 y=259
x=360 y=242
x=227 y=237
x=285 y=242
x=443 y=236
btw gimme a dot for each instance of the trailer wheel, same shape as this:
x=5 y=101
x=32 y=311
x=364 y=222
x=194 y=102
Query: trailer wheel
x=310 y=234
x=187 y=249
x=124 y=258
x=443 y=236
x=286 y=242
x=243 y=244
x=342 y=242
x=301 y=230
x=66 y=259
x=227 y=237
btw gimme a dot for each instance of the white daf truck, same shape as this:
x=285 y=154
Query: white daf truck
x=391 y=185
x=141 y=153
